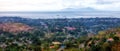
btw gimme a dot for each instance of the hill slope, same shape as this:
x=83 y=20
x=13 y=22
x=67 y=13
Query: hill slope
x=14 y=27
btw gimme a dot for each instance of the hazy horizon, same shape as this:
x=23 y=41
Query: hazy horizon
x=60 y=8
x=64 y=14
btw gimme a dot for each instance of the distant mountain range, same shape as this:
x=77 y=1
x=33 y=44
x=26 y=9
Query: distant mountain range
x=80 y=9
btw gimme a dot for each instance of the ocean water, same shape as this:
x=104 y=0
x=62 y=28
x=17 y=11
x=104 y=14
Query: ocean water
x=50 y=15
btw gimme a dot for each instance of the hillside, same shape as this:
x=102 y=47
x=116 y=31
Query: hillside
x=14 y=27
x=81 y=34
x=92 y=25
x=107 y=40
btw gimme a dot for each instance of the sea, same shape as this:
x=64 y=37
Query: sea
x=62 y=14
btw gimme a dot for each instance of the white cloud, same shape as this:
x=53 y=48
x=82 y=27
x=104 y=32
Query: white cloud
x=55 y=5
x=29 y=5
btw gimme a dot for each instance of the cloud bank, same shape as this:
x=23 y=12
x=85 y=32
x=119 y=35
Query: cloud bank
x=57 y=5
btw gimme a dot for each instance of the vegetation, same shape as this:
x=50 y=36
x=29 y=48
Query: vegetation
x=84 y=34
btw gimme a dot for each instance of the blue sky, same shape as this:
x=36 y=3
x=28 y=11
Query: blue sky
x=57 y=5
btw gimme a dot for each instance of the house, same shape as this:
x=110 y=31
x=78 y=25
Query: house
x=52 y=46
x=56 y=43
x=110 y=39
x=70 y=28
x=81 y=45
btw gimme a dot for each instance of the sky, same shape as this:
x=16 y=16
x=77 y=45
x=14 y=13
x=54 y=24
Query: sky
x=58 y=5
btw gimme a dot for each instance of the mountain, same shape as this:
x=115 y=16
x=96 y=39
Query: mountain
x=79 y=9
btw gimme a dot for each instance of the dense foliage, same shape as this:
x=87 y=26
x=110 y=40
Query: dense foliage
x=83 y=34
